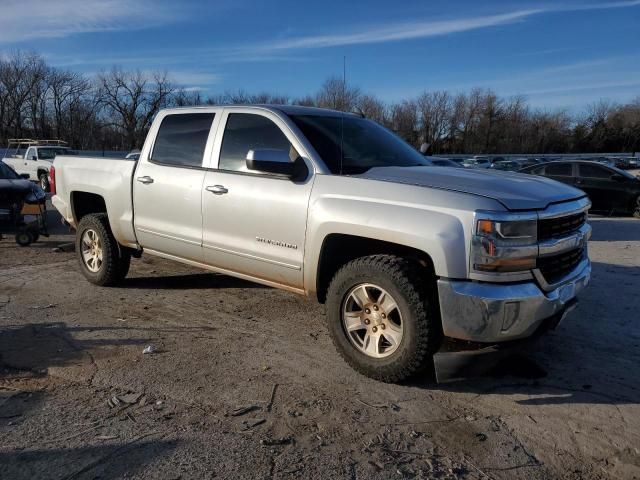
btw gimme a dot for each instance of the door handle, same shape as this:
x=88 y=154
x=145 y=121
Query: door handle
x=217 y=189
x=146 y=179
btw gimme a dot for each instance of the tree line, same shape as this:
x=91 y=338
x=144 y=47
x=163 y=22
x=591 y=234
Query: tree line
x=114 y=109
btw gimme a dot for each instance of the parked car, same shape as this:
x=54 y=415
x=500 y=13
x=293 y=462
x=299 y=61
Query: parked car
x=623 y=163
x=507 y=165
x=37 y=158
x=476 y=162
x=444 y=162
x=15 y=192
x=405 y=255
x=609 y=188
x=457 y=160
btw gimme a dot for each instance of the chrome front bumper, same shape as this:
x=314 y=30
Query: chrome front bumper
x=492 y=312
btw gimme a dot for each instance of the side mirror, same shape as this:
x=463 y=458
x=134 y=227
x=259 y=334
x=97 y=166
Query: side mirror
x=26 y=176
x=616 y=177
x=33 y=157
x=275 y=162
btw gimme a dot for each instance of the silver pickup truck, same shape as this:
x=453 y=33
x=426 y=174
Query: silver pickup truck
x=408 y=258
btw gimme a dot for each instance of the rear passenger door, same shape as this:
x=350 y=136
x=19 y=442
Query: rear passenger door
x=167 y=186
x=254 y=223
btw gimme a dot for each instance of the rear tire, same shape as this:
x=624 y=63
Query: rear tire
x=636 y=211
x=43 y=181
x=102 y=261
x=393 y=285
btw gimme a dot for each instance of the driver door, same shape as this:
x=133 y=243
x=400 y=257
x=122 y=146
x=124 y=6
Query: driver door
x=254 y=223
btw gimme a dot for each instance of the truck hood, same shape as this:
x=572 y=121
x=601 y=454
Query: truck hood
x=516 y=191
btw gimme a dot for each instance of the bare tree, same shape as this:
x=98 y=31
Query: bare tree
x=338 y=95
x=131 y=100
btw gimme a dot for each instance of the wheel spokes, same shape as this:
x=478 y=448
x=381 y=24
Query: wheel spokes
x=361 y=296
x=386 y=302
x=371 y=344
x=353 y=321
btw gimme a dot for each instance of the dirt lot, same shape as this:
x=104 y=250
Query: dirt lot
x=570 y=409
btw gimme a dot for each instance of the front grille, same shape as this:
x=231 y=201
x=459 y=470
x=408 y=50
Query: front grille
x=560 y=226
x=555 y=267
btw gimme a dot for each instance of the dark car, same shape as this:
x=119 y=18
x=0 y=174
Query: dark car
x=507 y=165
x=444 y=162
x=609 y=188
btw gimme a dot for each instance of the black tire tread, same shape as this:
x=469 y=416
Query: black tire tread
x=115 y=265
x=408 y=277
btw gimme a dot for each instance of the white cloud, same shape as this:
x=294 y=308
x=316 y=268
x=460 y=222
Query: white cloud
x=422 y=29
x=190 y=79
x=397 y=32
x=22 y=20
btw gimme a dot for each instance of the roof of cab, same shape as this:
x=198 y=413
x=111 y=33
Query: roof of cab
x=287 y=109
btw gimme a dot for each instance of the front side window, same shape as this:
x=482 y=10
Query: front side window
x=353 y=145
x=182 y=138
x=244 y=132
x=31 y=153
x=558 y=169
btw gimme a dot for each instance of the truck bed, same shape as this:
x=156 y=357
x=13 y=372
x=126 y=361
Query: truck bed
x=108 y=178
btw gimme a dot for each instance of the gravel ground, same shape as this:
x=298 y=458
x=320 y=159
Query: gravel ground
x=246 y=383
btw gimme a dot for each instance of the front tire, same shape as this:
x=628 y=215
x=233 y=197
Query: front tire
x=380 y=318
x=102 y=261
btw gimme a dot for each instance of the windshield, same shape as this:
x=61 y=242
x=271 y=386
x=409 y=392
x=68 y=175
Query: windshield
x=624 y=173
x=49 y=153
x=352 y=145
x=7 y=173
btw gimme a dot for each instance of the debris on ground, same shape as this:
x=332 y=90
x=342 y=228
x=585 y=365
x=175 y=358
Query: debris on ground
x=249 y=424
x=243 y=410
x=150 y=349
x=43 y=307
x=64 y=247
x=127 y=398
x=272 y=442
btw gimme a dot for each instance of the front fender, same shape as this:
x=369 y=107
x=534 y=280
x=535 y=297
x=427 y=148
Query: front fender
x=436 y=222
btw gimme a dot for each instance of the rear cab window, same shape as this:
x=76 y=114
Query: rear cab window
x=181 y=139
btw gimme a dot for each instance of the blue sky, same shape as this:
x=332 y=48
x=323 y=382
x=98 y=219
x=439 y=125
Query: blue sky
x=560 y=54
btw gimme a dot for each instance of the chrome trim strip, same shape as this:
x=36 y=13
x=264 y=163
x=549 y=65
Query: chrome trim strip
x=224 y=271
x=576 y=272
x=565 y=209
x=253 y=257
x=170 y=237
x=574 y=240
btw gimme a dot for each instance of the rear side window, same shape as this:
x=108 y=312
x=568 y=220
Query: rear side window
x=558 y=169
x=182 y=138
x=593 y=171
x=244 y=132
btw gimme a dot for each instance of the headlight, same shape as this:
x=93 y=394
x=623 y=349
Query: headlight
x=504 y=245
